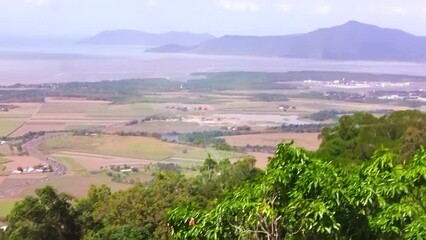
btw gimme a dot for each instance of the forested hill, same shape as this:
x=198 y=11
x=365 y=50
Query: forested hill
x=356 y=137
x=350 y=41
x=298 y=196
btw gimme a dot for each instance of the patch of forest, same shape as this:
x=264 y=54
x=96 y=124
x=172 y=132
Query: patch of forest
x=130 y=90
x=357 y=137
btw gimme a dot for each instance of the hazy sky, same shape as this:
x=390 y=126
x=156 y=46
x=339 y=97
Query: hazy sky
x=219 y=17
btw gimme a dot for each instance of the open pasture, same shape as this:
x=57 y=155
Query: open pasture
x=303 y=106
x=20 y=161
x=3 y=162
x=78 y=162
x=7 y=126
x=247 y=106
x=132 y=147
x=85 y=163
x=77 y=185
x=95 y=110
x=37 y=126
x=162 y=127
x=22 y=110
x=308 y=141
x=312 y=105
x=261 y=158
x=74 y=113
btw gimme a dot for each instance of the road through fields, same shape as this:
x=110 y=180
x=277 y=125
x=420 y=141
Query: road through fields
x=59 y=169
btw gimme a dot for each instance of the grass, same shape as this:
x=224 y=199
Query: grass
x=4 y=160
x=77 y=185
x=5 y=207
x=124 y=111
x=72 y=107
x=2 y=167
x=7 y=126
x=133 y=147
x=82 y=127
x=99 y=110
x=71 y=163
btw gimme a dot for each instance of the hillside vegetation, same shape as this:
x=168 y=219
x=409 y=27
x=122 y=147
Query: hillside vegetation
x=300 y=195
x=356 y=137
x=140 y=90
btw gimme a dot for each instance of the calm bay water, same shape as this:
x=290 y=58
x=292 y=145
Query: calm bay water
x=74 y=62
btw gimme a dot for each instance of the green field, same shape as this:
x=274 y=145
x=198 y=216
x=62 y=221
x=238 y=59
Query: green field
x=3 y=167
x=83 y=127
x=5 y=207
x=71 y=164
x=134 y=147
x=4 y=160
x=77 y=185
x=102 y=110
x=7 y=126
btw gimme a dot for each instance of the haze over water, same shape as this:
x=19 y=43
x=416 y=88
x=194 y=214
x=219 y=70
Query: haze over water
x=76 y=62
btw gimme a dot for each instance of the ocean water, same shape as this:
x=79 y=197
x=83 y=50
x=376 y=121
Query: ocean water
x=78 y=62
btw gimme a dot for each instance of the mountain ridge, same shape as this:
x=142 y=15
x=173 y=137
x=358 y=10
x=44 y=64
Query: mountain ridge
x=134 y=37
x=350 y=41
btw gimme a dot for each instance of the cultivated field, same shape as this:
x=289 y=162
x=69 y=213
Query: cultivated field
x=7 y=126
x=79 y=162
x=58 y=114
x=14 y=118
x=261 y=159
x=132 y=147
x=23 y=110
x=308 y=141
x=36 y=126
x=89 y=158
x=77 y=184
x=20 y=161
x=163 y=127
x=312 y=105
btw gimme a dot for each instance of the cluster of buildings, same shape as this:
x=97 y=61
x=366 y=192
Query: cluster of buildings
x=419 y=95
x=35 y=169
x=357 y=84
x=6 y=108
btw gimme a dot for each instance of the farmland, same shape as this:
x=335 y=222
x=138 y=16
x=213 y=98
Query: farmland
x=7 y=126
x=132 y=147
x=308 y=141
x=123 y=124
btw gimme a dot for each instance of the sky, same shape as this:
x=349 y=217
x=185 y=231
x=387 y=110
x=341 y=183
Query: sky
x=217 y=17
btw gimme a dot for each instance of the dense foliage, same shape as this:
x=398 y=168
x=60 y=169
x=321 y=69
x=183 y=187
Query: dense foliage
x=298 y=197
x=356 y=137
x=325 y=115
x=136 y=90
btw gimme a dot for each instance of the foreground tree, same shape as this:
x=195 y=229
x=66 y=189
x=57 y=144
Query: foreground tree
x=298 y=197
x=46 y=216
x=139 y=211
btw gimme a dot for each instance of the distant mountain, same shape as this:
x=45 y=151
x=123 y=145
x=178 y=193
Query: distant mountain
x=350 y=41
x=131 y=37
